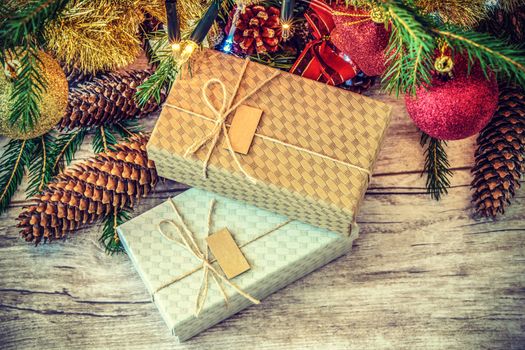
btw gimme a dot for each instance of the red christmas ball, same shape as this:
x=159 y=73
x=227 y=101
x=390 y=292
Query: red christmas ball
x=361 y=38
x=457 y=107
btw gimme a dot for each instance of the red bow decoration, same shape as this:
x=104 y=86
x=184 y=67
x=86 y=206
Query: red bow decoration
x=320 y=59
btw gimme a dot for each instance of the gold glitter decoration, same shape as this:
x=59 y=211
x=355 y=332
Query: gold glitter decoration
x=52 y=106
x=97 y=35
x=466 y=13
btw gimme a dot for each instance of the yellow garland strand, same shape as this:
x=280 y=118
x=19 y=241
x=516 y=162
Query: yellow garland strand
x=96 y=35
x=465 y=13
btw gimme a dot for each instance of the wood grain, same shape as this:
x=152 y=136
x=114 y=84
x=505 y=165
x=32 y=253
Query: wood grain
x=422 y=275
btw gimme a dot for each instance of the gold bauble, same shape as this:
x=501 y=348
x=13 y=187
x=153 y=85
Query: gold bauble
x=52 y=105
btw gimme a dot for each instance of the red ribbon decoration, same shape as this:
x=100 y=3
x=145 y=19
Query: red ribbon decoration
x=320 y=59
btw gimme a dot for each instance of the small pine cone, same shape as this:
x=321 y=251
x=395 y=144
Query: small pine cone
x=302 y=34
x=257 y=30
x=107 y=99
x=90 y=191
x=500 y=155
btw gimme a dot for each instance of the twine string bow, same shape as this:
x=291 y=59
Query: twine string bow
x=220 y=118
x=187 y=241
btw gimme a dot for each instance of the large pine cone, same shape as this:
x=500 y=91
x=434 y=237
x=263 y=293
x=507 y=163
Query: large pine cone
x=500 y=155
x=76 y=76
x=107 y=99
x=89 y=191
x=258 y=29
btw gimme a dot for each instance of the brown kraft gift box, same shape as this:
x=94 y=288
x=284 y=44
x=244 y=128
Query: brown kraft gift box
x=312 y=153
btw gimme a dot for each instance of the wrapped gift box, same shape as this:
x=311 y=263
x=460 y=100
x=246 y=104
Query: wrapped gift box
x=278 y=250
x=312 y=153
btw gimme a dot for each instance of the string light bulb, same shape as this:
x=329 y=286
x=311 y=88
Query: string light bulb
x=286 y=30
x=228 y=43
x=286 y=18
x=175 y=47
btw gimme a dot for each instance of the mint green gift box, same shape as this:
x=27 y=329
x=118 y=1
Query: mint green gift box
x=277 y=257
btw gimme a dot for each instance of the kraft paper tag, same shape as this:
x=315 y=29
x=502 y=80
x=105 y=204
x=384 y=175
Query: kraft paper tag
x=242 y=128
x=227 y=253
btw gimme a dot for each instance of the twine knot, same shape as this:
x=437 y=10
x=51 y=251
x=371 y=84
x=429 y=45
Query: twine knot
x=221 y=115
x=187 y=241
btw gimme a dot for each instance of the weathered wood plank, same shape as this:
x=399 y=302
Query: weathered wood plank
x=422 y=274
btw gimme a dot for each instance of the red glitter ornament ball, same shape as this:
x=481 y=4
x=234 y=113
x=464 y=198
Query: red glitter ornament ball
x=456 y=108
x=361 y=38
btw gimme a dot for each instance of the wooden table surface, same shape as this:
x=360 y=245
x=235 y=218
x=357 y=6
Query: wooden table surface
x=422 y=275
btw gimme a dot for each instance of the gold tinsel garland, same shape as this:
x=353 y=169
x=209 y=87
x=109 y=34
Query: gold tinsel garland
x=466 y=13
x=189 y=13
x=103 y=34
x=96 y=35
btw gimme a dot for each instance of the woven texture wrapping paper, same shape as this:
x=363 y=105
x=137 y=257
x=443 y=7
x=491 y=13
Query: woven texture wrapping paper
x=296 y=111
x=276 y=259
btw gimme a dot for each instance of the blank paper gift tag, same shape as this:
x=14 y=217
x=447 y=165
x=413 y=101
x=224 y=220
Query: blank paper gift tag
x=242 y=128
x=227 y=253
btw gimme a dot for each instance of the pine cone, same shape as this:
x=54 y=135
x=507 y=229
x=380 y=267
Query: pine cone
x=301 y=35
x=75 y=76
x=107 y=99
x=500 y=155
x=89 y=191
x=258 y=29
x=507 y=24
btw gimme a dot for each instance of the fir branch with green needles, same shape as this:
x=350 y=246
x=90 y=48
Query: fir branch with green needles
x=437 y=167
x=410 y=50
x=109 y=238
x=281 y=61
x=128 y=128
x=41 y=164
x=104 y=138
x=66 y=145
x=14 y=160
x=165 y=74
x=26 y=21
x=28 y=87
x=505 y=60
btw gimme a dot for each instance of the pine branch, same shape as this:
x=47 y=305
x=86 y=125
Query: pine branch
x=27 y=21
x=436 y=166
x=104 y=139
x=109 y=237
x=507 y=61
x=16 y=156
x=281 y=61
x=28 y=86
x=41 y=164
x=128 y=128
x=66 y=145
x=410 y=50
x=165 y=74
